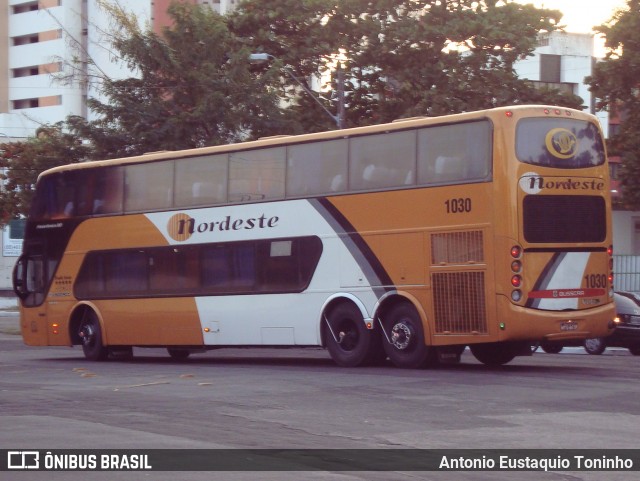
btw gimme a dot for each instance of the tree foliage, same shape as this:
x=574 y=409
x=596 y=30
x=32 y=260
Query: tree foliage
x=616 y=83
x=193 y=87
x=405 y=57
x=23 y=161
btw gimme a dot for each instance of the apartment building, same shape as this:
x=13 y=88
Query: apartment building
x=38 y=38
x=563 y=60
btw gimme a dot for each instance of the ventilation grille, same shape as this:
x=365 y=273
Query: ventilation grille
x=457 y=247
x=459 y=302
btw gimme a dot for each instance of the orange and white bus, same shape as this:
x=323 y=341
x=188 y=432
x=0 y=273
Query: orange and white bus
x=408 y=241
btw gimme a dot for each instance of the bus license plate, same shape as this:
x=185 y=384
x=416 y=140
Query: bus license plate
x=568 y=326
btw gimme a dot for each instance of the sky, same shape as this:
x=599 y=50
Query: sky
x=581 y=15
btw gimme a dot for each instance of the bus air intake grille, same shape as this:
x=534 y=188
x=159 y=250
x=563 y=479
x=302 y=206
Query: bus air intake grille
x=461 y=247
x=459 y=302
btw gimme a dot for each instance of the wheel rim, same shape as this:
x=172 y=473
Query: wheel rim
x=348 y=336
x=88 y=335
x=402 y=335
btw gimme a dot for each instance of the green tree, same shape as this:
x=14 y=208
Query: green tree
x=616 y=84
x=22 y=162
x=192 y=86
x=405 y=57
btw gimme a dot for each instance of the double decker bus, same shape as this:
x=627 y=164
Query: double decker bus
x=409 y=241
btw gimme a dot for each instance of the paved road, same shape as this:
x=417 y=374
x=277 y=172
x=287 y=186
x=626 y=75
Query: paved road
x=51 y=398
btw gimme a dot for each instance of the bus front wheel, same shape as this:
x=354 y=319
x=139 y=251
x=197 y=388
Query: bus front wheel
x=493 y=353
x=404 y=338
x=91 y=337
x=346 y=336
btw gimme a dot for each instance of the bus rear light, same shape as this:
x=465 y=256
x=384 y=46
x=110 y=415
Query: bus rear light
x=55 y=327
x=610 y=250
x=516 y=252
x=509 y=113
x=547 y=111
x=516 y=266
x=557 y=112
x=611 y=278
x=516 y=281
x=516 y=295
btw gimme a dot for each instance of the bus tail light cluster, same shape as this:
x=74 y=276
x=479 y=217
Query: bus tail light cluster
x=610 y=252
x=516 y=273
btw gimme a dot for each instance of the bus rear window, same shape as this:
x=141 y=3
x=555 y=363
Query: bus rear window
x=564 y=219
x=559 y=142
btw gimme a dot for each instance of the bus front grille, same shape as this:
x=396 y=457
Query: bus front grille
x=459 y=302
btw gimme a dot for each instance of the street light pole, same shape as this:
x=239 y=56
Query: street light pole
x=338 y=119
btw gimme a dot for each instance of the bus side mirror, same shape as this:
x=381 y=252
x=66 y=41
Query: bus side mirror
x=19 y=276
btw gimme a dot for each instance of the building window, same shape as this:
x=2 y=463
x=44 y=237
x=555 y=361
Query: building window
x=550 y=66
x=25 y=72
x=38 y=102
x=25 y=40
x=543 y=40
x=25 y=104
x=25 y=7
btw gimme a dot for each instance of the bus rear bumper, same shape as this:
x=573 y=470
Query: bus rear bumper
x=522 y=323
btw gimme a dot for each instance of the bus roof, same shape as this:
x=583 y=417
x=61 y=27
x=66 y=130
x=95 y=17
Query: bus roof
x=399 y=124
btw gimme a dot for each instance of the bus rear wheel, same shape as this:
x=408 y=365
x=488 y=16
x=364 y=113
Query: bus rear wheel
x=91 y=337
x=347 y=338
x=493 y=353
x=404 y=340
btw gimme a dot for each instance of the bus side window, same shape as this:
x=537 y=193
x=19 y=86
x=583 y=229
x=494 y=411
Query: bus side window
x=454 y=153
x=148 y=186
x=215 y=269
x=201 y=181
x=317 y=168
x=107 y=195
x=257 y=174
x=126 y=272
x=382 y=161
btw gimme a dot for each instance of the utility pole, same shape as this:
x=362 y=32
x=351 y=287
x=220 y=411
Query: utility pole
x=341 y=109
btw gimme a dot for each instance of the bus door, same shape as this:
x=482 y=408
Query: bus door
x=30 y=285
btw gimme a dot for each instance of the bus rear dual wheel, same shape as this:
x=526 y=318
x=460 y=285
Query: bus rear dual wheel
x=351 y=344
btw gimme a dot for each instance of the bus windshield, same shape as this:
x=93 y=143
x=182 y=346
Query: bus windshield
x=559 y=142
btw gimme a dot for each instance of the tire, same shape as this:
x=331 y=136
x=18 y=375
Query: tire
x=493 y=353
x=178 y=354
x=347 y=338
x=635 y=349
x=91 y=337
x=551 y=347
x=595 y=346
x=403 y=339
